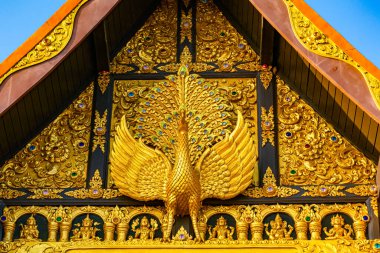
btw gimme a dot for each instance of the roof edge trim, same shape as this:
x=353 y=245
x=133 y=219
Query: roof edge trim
x=330 y=44
x=48 y=41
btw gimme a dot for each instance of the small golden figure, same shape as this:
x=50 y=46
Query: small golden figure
x=339 y=230
x=280 y=230
x=29 y=231
x=221 y=231
x=146 y=230
x=87 y=231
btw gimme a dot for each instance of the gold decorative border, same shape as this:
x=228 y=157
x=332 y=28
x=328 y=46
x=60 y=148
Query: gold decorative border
x=267 y=126
x=50 y=46
x=323 y=190
x=352 y=246
x=8 y=193
x=99 y=131
x=270 y=188
x=317 y=42
x=95 y=191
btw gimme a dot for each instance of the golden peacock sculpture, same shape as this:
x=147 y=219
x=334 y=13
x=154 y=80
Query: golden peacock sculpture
x=195 y=154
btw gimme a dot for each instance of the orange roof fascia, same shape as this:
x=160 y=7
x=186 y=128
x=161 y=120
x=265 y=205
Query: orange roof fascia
x=37 y=36
x=338 y=39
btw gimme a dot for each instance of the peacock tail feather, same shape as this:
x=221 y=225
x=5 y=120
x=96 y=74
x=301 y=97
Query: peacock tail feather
x=205 y=106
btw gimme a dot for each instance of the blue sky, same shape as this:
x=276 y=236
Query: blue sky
x=357 y=20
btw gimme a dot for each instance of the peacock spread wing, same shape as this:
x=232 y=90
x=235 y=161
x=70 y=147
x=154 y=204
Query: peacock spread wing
x=139 y=171
x=227 y=168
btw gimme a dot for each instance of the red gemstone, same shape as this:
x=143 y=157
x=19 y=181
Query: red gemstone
x=265 y=66
x=307 y=145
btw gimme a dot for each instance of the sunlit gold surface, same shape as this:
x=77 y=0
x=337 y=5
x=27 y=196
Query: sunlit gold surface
x=269 y=188
x=45 y=193
x=57 y=157
x=217 y=41
x=339 y=229
x=311 y=150
x=278 y=229
x=188 y=119
x=154 y=43
x=267 y=126
x=95 y=191
x=146 y=229
x=314 y=40
x=103 y=81
x=85 y=231
x=266 y=77
x=29 y=231
x=100 y=130
x=50 y=46
x=221 y=231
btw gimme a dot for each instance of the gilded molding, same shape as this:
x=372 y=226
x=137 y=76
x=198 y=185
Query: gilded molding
x=103 y=80
x=323 y=191
x=317 y=42
x=374 y=205
x=186 y=25
x=267 y=126
x=100 y=130
x=45 y=194
x=50 y=46
x=310 y=150
x=57 y=157
x=281 y=246
x=218 y=42
x=270 y=188
x=364 y=190
x=266 y=77
x=153 y=44
x=7 y=193
x=95 y=191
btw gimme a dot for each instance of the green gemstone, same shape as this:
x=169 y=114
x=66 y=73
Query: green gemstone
x=307 y=218
x=234 y=93
x=58 y=219
x=293 y=172
x=74 y=174
x=222 y=34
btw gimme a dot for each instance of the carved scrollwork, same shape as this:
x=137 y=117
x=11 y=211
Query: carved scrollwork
x=217 y=41
x=152 y=44
x=57 y=157
x=311 y=150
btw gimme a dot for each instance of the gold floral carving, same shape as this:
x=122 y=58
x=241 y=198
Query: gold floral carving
x=186 y=25
x=182 y=235
x=99 y=131
x=95 y=191
x=323 y=191
x=310 y=150
x=316 y=41
x=186 y=59
x=265 y=78
x=363 y=190
x=374 y=205
x=7 y=193
x=217 y=41
x=153 y=44
x=267 y=126
x=103 y=80
x=57 y=157
x=49 y=46
x=269 y=189
x=45 y=193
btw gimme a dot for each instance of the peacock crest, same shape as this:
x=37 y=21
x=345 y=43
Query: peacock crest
x=202 y=104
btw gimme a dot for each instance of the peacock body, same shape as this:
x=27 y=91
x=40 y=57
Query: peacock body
x=193 y=154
